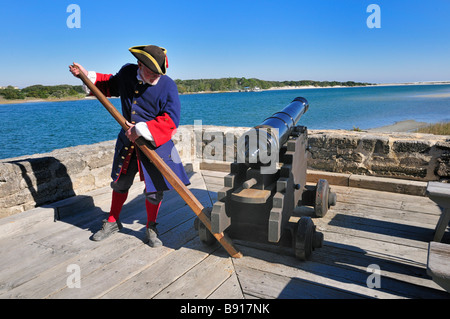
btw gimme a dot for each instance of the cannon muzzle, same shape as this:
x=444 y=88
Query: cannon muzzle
x=256 y=145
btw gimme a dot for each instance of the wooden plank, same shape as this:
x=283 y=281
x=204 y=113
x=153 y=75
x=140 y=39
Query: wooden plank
x=381 y=230
x=162 y=273
x=215 y=166
x=328 y=275
x=51 y=280
x=230 y=289
x=438 y=264
x=42 y=247
x=213 y=180
x=43 y=228
x=47 y=226
x=381 y=199
x=371 y=200
x=336 y=188
x=57 y=235
x=218 y=174
x=426 y=207
x=30 y=219
x=386 y=250
x=388 y=184
x=409 y=281
x=388 y=195
x=72 y=243
x=268 y=285
x=250 y=195
x=25 y=267
x=332 y=178
x=345 y=270
x=59 y=241
x=387 y=214
x=214 y=188
x=201 y=281
x=389 y=222
x=110 y=276
x=62 y=240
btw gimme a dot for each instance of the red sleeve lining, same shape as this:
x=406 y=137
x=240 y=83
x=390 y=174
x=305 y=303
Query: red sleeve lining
x=162 y=129
x=101 y=82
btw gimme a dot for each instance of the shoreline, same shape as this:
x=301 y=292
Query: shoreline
x=400 y=126
x=281 y=88
x=36 y=100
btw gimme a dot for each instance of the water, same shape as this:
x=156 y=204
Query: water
x=31 y=128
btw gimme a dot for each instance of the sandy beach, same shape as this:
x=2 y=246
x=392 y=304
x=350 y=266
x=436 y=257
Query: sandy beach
x=402 y=126
x=441 y=95
x=36 y=100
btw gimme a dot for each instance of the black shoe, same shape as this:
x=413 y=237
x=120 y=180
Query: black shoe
x=152 y=236
x=107 y=230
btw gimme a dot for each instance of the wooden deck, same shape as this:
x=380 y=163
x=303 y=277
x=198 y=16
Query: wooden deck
x=40 y=257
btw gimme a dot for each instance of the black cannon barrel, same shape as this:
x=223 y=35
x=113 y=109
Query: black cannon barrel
x=274 y=131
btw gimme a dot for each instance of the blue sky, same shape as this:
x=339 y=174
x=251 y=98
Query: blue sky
x=270 y=40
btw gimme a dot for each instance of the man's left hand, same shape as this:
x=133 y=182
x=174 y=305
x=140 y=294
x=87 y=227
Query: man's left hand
x=131 y=132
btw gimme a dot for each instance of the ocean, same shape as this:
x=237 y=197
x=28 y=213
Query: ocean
x=40 y=127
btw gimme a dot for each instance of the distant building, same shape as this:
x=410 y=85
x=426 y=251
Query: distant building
x=9 y=86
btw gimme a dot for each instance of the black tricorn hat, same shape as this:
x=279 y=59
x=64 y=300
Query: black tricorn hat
x=152 y=56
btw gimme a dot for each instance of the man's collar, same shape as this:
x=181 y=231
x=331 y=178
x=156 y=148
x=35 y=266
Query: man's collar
x=138 y=76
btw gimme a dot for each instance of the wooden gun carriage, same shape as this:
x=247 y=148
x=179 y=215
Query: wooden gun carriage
x=266 y=184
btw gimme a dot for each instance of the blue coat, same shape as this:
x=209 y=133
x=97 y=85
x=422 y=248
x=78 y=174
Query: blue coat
x=159 y=106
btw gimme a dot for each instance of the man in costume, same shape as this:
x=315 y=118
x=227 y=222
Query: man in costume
x=151 y=106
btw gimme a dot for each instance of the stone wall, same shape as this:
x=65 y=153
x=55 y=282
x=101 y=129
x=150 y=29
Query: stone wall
x=412 y=156
x=422 y=157
x=30 y=181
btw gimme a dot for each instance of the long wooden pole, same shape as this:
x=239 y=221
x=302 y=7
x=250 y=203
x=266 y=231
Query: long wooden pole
x=165 y=170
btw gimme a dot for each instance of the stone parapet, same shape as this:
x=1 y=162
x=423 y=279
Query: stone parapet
x=412 y=156
x=31 y=181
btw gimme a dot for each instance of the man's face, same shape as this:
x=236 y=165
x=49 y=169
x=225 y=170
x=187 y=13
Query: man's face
x=147 y=75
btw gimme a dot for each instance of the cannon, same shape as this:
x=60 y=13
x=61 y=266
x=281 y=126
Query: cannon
x=267 y=183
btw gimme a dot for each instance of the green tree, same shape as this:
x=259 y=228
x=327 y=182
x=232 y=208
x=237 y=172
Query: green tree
x=12 y=94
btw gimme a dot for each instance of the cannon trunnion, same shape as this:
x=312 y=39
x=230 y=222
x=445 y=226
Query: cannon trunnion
x=257 y=203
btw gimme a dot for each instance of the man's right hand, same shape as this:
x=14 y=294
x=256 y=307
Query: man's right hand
x=76 y=68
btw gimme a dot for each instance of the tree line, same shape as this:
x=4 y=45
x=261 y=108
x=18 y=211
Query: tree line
x=43 y=92
x=241 y=84
x=184 y=86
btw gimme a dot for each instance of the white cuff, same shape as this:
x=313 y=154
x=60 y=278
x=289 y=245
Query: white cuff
x=142 y=130
x=92 y=75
